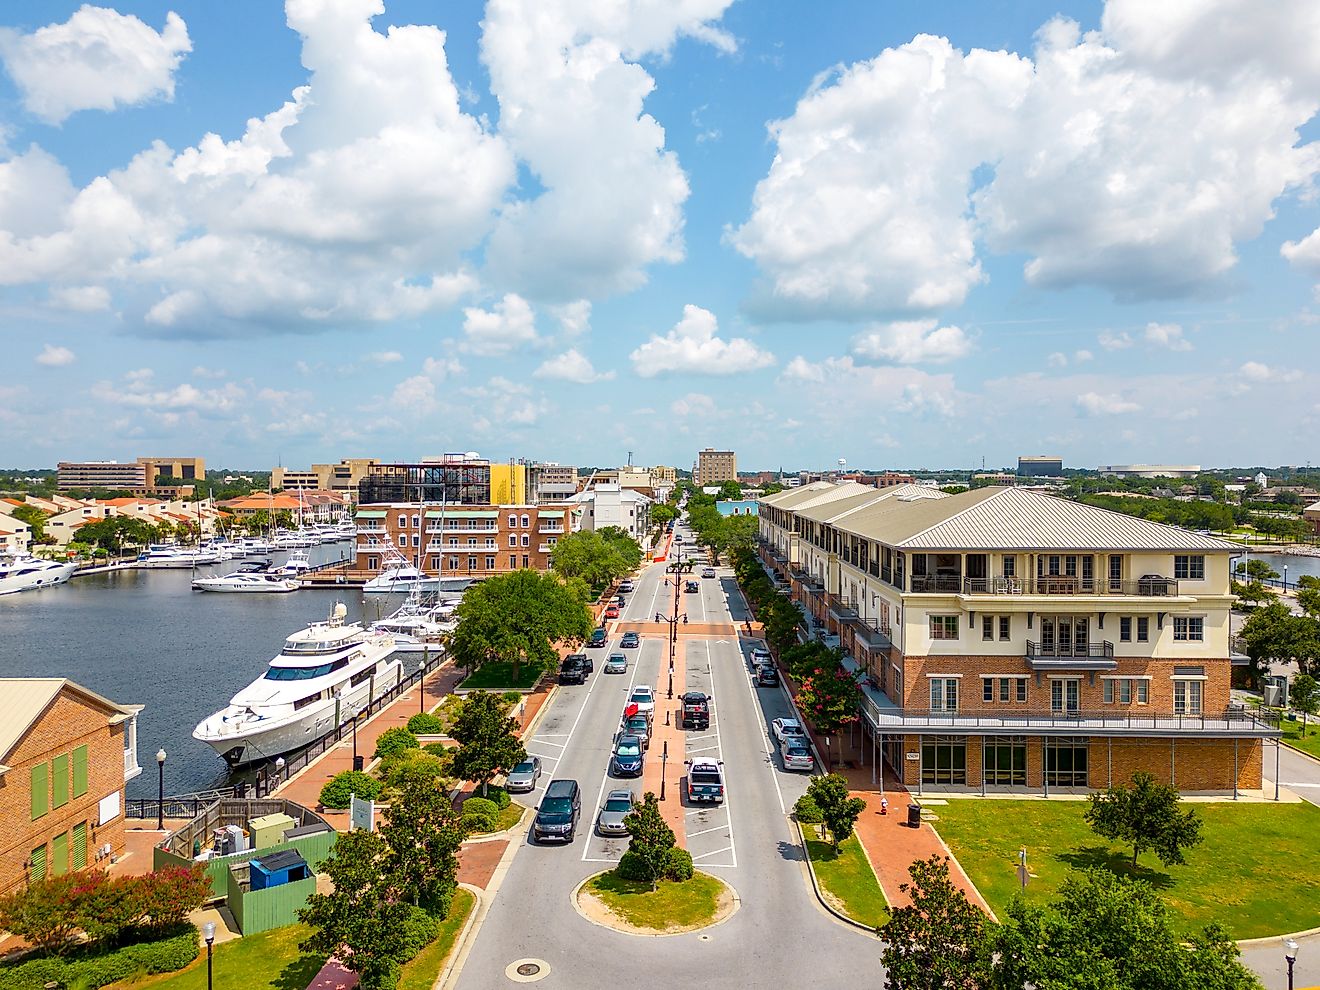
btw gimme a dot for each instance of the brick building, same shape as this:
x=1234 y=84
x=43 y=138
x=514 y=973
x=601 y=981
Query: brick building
x=1017 y=641
x=714 y=467
x=65 y=755
x=461 y=540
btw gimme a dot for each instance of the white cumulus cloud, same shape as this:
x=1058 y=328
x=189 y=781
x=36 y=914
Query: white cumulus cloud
x=98 y=59
x=571 y=366
x=1167 y=335
x=82 y=298
x=507 y=325
x=913 y=342
x=898 y=389
x=55 y=356
x=1107 y=404
x=693 y=348
x=1304 y=254
x=1112 y=341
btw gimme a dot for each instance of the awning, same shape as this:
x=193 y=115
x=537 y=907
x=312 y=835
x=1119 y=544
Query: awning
x=370 y=514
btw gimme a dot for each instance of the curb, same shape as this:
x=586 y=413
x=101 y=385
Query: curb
x=737 y=903
x=820 y=896
x=461 y=943
x=484 y=900
x=1300 y=752
x=985 y=905
x=1274 y=940
x=535 y=723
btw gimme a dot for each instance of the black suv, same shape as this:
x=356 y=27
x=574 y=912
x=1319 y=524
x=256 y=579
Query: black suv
x=598 y=637
x=576 y=668
x=557 y=817
x=696 y=711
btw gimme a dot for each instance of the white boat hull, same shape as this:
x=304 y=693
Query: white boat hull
x=246 y=588
x=48 y=575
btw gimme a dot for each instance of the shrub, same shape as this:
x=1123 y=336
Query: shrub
x=481 y=806
x=498 y=795
x=416 y=933
x=426 y=724
x=471 y=824
x=512 y=697
x=91 y=967
x=437 y=749
x=807 y=811
x=413 y=764
x=393 y=741
x=632 y=867
x=680 y=865
x=336 y=792
x=45 y=913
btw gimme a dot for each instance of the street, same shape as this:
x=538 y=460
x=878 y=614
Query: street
x=779 y=934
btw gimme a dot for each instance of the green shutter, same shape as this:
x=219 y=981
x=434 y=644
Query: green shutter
x=38 y=871
x=40 y=790
x=80 y=845
x=59 y=781
x=80 y=771
x=59 y=854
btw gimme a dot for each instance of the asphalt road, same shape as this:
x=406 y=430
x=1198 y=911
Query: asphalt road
x=780 y=935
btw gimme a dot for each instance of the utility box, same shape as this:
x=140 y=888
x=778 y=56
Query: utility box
x=229 y=839
x=268 y=830
x=277 y=869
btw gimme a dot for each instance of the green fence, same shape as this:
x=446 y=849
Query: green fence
x=314 y=848
x=257 y=910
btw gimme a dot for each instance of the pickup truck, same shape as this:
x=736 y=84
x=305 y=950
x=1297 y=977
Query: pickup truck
x=696 y=711
x=577 y=667
x=705 y=781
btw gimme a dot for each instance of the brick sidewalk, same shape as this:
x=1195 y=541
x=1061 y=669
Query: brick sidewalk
x=672 y=806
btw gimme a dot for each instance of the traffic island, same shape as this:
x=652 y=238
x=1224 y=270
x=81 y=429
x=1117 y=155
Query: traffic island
x=675 y=908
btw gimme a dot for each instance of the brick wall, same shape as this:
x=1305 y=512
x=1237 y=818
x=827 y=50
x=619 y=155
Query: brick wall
x=472 y=545
x=71 y=721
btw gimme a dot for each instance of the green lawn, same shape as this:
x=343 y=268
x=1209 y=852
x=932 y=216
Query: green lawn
x=1257 y=872
x=499 y=676
x=847 y=878
x=1292 y=735
x=269 y=960
x=674 y=905
x=508 y=817
x=421 y=972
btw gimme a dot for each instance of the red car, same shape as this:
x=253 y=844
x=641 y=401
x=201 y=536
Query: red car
x=612 y=612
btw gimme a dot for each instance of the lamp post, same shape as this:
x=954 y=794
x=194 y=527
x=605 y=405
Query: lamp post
x=357 y=760
x=672 y=622
x=1290 y=954
x=160 y=794
x=208 y=933
x=664 y=762
x=1285 y=577
x=421 y=686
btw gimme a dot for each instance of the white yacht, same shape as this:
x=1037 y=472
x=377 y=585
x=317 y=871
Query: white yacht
x=330 y=668
x=174 y=556
x=419 y=626
x=295 y=565
x=403 y=577
x=251 y=578
x=23 y=572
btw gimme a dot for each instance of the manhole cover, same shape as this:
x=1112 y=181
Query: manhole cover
x=527 y=970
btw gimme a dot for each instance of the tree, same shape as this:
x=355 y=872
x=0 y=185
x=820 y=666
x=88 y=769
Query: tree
x=650 y=839
x=517 y=618
x=838 y=810
x=1272 y=634
x=781 y=619
x=663 y=514
x=829 y=695
x=730 y=491
x=36 y=520
x=46 y=912
x=939 y=941
x=422 y=831
x=1111 y=932
x=362 y=921
x=1304 y=696
x=621 y=541
x=1257 y=570
x=1146 y=816
x=592 y=556
x=487 y=738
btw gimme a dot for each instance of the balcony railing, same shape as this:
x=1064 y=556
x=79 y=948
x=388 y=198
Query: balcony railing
x=1070 y=651
x=1151 y=586
x=951 y=583
x=549 y=528
x=463 y=527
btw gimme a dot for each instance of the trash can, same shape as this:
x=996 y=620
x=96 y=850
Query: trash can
x=359 y=762
x=914 y=816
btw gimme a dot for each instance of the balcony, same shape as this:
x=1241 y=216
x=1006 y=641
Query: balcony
x=1071 y=656
x=552 y=528
x=370 y=530
x=459 y=527
x=1150 y=586
x=545 y=547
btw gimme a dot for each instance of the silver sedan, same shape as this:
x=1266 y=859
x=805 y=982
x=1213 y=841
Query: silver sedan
x=618 y=806
x=525 y=776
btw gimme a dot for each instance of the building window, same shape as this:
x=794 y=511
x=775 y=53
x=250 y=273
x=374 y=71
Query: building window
x=1143 y=629
x=1065 y=694
x=37 y=871
x=490 y=543
x=1143 y=692
x=40 y=790
x=1021 y=689
x=1189 y=567
x=453 y=563
x=1003 y=690
x=472 y=563
x=403 y=539
x=59 y=781
x=513 y=539
x=1010 y=566
x=944 y=694
x=513 y=522
x=944 y=760
x=472 y=541
x=1125 y=692
x=403 y=522
x=1109 y=692
x=1005 y=628
x=1188 y=629
x=417 y=540
x=373 y=563
x=417 y=522
x=526 y=540
x=1125 y=629
x=525 y=564
x=1187 y=697
x=1065 y=761
x=987 y=627
x=987 y=689
x=526 y=521
x=943 y=627
x=490 y=563
x=1004 y=760
x=80 y=771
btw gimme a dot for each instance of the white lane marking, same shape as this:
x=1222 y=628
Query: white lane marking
x=708 y=735
x=716 y=852
x=546 y=742
x=720 y=743
x=704 y=807
x=551 y=735
x=597 y=859
x=542 y=756
x=704 y=831
x=703 y=749
x=765 y=741
x=605 y=777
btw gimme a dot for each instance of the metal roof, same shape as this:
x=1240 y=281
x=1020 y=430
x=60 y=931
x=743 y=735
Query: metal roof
x=792 y=497
x=24 y=699
x=1019 y=519
x=833 y=510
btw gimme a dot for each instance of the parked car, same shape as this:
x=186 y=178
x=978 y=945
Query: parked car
x=626 y=585
x=760 y=656
x=692 y=586
x=612 y=612
x=618 y=806
x=525 y=776
x=638 y=725
x=705 y=780
x=708 y=572
x=696 y=711
x=630 y=641
x=557 y=817
x=616 y=664
x=643 y=696
x=628 y=757
x=795 y=754
x=783 y=728
x=767 y=676
x=575 y=669
x=598 y=637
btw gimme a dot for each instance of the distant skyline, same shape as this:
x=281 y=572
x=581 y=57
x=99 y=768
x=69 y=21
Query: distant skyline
x=900 y=234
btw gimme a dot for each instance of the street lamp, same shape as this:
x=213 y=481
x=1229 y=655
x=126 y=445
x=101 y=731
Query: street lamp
x=1285 y=577
x=160 y=794
x=421 y=686
x=664 y=761
x=1290 y=954
x=208 y=933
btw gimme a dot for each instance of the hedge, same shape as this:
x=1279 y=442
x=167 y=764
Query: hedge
x=480 y=815
x=395 y=740
x=163 y=955
x=417 y=933
x=499 y=795
x=807 y=811
x=680 y=865
x=426 y=724
x=338 y=789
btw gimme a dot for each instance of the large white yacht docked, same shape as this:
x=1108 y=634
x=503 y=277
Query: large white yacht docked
x=23 y=572
x=255 y=577
x=330 y=667
x=419 y=625
x=174 y=556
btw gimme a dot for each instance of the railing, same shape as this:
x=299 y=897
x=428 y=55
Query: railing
x=1081 y=721
x=544 y=547
x=463 y=548
x=1153 y=586
x=1103 y=650
x=543 y=528
x=936 y=583
x=454 y=527
x=370 y=530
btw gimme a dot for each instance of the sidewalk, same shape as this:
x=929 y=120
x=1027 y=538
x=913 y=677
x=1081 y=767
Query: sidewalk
x=672 y=806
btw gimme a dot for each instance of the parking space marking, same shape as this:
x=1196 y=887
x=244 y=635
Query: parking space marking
x=546 y=742
x=543 y=756
x=717 y=828
x=719 y=747
x=765 y=740
x=715 y=852
x=703 y=749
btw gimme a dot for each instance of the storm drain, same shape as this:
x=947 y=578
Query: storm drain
x=527 y=970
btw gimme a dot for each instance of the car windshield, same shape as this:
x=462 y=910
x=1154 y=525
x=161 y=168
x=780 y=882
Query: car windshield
x=557 y=806
x=629 y=749
x=524 y=767
x=796 y=751
x=618 y=804
x=618 y=658
x=640 y=693
x=791 y=728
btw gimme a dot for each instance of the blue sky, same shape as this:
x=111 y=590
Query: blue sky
x=904 y=234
